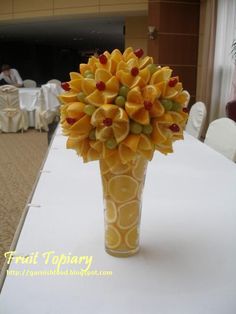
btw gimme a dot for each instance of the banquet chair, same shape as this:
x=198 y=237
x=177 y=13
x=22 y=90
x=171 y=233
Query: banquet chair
x=48 y=110
x=12 y=118
x=196 y=119
x=55 y=81
x=29 y=83
x=221 y=136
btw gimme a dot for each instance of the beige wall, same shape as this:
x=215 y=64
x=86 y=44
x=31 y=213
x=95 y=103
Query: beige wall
x=21 y=9
x=136 y=32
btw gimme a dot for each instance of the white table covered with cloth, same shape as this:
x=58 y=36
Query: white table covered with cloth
x=187 y=260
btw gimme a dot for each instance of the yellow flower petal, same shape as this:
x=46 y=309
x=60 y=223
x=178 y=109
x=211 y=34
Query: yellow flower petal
x=102 y=75
x=163 y=74
x=88 y=86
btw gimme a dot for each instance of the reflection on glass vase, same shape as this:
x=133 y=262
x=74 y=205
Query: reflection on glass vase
x=122 y=193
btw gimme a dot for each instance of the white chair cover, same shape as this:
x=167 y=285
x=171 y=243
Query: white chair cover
x=221 y=136
x=49 y=106
x=12 y=118
x=196 y=119
x=29 y=83
x=55 y=81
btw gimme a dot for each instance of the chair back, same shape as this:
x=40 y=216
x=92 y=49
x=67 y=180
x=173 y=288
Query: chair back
x=196 y=119
x=29 y=83
x=221 y=136
x=9 y=97
x=55 y=81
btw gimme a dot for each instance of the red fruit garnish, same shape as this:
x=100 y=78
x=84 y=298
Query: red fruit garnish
x=103 y=59
x=135 y=71
x=185 y=110
x=139 y=52
x=101 y=86
x=107 y=121
x=147 y=105
x=174 y=127
x=65 y=86
x=173 y=81
x=70 y=120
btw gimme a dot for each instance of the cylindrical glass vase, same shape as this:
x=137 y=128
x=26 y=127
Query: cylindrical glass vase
x=122 y=194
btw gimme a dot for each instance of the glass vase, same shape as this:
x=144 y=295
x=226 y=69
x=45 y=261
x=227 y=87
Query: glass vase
x=122 y=194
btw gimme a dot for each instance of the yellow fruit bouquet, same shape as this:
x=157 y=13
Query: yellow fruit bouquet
x=119 y=109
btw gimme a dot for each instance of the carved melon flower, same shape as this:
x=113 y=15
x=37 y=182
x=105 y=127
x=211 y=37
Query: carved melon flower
x=111 y=123
x=142 y=105
x=102 y=89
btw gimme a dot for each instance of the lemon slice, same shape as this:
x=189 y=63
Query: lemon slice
x=120 y=168
x=139 y=169
x=110 y=211
x=128 y=214
x=112 y=237
x=131 y=238
x=122 y=188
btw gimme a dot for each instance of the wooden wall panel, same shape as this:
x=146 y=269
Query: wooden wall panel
x=176 y=45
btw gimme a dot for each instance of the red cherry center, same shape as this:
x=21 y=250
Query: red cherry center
x=134 y=71
x=174 y=127
x=101 y=86
x=107 y=121
x=173 y=81
x=70 y=120
x=65 y=86
x=147 y=105
x=185 y=110
x=102 y=59
x=139 y=52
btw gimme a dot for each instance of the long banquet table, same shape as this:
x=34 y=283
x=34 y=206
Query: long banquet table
x=187 y=260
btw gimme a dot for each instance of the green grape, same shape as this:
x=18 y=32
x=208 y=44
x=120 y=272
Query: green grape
x=81 y=96
x=92 y=135
x=90 y=76
x=124 y=91
x=147 y=129
x=120 y=101
x=135 y=128
x=89 y=109
x=111 y=143
x=175 y=106
x=167 y=104
x=87 y=72
x=152 y=68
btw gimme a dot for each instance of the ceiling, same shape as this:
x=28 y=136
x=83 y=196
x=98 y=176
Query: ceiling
x=80 y=32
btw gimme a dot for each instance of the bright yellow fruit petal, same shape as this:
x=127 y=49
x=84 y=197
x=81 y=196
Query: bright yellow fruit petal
x=75 y=76
x=76 y=110
x=163 y=74
x=68 y=97
x=150 y=93
x=128 y=214
x=122 y=188
x=112 y=237
x=96 y=98
x=88 y=86
x=102 y=75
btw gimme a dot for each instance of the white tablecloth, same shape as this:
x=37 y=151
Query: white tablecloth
x=187 y=260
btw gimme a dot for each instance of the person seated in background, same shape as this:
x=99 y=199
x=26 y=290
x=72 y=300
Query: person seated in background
x=10 y=76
